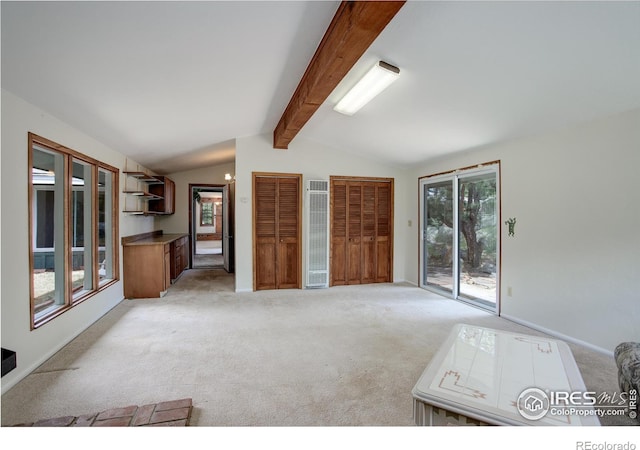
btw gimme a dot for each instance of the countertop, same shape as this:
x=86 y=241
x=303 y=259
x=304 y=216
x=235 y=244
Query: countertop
x=155 y=240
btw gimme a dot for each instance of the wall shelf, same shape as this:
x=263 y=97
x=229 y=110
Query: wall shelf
x=139 y=212
x=141 y=176
x=144 y=195
x=158 y=198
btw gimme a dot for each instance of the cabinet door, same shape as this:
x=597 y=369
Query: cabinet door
x=167 y=267
x=185 y=253
x=169 y=206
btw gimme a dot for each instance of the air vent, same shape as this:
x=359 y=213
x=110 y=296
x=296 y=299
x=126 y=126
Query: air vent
x=317 y=234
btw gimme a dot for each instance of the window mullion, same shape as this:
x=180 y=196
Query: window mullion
x=95 y=202
x=456 y=236
x=67 y=241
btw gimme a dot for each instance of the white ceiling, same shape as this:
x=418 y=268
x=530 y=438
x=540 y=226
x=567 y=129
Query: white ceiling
x=171 y=84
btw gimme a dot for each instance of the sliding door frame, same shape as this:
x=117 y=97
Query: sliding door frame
x=455 y=176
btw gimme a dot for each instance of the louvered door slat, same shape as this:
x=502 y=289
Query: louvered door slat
x=288 y=201
x=266 y=207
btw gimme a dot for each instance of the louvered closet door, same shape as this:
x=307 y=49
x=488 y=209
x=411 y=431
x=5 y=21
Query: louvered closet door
x=287 y=261
x=361 y=231
x=384 y=231
x=265 y=193
x=354 y=230
x=369 y=258
x=277 y=232
x=338 y=249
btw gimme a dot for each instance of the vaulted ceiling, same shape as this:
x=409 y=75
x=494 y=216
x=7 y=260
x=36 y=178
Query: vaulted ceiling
x=172 y=84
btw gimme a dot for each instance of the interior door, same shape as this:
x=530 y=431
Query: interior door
x=338 y=237
x=368 y=230
x=288 y=239
x=361 y=231
x=228 y=194
x=277 y=231
x=354 y=240
x=265 y=191
x=384 y=232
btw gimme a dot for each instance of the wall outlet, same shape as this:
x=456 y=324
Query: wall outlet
x=509 y=291
x=409 y=223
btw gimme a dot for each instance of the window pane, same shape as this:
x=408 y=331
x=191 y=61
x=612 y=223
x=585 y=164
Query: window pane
x=439 y=234
x=105 y=225
x=206 y=213
x=81 y=226
x=478 y=237
x=48 y=278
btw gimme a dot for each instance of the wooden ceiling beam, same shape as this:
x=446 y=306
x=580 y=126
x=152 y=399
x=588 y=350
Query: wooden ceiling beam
x=354 y=27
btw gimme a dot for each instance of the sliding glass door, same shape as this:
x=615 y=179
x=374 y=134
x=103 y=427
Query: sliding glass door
x=438 y=235
x=459 y=217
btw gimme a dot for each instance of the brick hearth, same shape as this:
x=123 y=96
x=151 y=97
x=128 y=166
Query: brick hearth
x=175 y=413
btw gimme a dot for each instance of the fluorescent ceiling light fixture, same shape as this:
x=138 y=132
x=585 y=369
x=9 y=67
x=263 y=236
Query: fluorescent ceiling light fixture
x=371 y=84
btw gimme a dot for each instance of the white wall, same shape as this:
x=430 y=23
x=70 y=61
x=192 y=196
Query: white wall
x=313 y=161
x=573 y=264
x=179 y=221
x=34 y=347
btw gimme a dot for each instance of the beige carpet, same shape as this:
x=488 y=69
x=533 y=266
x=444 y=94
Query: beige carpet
x=339 y=356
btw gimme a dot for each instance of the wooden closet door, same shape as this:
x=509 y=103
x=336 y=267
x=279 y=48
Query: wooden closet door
x=277 y=231
x=338 y=233
x=361 y=231
x=354 y=233
x=288 y=245
x=265 y=195
x=369 y=232
x=384 y=233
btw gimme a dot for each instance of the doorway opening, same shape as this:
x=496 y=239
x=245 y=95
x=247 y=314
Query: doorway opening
x=206 y=226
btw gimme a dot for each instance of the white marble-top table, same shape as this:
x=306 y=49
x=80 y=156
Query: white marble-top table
x=479 y=375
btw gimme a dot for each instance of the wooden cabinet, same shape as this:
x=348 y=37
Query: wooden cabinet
x=166 y=191
x=167 y=266
x=277 y=231
x=179 y=256
x=361 y=231
x=158 y=192
x=152 y=261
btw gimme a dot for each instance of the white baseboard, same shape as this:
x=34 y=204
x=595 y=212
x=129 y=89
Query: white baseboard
x=238 y=290
x=554 y=333
x=405 y=282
